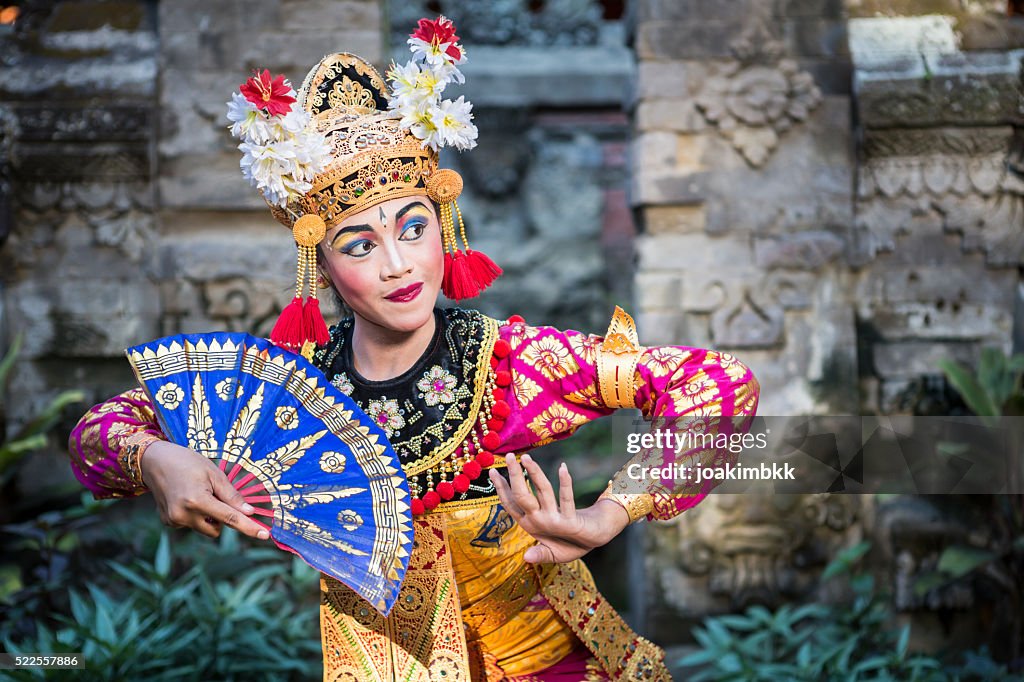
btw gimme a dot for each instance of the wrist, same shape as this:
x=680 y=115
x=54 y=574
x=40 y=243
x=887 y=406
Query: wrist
x=132 y=451
x=613 y=515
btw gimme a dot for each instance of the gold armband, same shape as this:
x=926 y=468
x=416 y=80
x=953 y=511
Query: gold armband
x=616 y=361
x=637 y=505
x=131 y=454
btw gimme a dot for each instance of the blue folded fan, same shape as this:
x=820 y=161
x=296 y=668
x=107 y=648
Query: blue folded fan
x=297 y=448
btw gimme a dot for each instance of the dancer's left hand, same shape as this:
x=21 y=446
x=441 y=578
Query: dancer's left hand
x=563 y=533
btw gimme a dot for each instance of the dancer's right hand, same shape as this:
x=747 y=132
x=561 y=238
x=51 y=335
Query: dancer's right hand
x=191 y=492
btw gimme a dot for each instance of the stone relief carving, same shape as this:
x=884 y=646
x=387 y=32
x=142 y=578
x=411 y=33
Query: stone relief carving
x=117 y=215
x=243 y=304
x=752 y=549
x=752 y=106
x=755 y=100
x=967 y=186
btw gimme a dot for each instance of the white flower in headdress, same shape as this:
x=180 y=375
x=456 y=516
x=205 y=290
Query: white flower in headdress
x=265 y=166
x=405 y=82
x=419 y=119
x=449 y=72
x=280 y=153
x=453 y=123
x=417 y=87
x=248 y=122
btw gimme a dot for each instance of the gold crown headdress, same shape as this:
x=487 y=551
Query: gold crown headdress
x=350 y=143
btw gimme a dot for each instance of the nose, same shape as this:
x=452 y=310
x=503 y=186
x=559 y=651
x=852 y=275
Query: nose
x=396 y=264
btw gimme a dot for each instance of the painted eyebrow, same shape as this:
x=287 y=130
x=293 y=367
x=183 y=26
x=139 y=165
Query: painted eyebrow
x=349 y=230
x=366 y=228
x=402 y=212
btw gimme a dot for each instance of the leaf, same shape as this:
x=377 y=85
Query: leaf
x=901 y=644
x=700 y=657
x=976 y=397
x=928 y=581
x=10 y=357
x=845 y=559
x=162 y=561
x=959 y=560
x=45 y=420
x=740 y=623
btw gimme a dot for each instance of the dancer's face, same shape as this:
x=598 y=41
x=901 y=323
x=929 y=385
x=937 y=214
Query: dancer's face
x=386 y=263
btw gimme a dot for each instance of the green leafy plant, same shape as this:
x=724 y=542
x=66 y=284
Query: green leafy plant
x=31 y=436
x=995 y=389
x=224 y=614
x=851 y=641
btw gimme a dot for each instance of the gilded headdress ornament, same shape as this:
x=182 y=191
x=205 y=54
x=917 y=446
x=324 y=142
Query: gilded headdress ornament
x=346 y=142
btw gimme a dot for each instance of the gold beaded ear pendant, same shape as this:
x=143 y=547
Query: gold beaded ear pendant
x=301 y=326
x=466 y=273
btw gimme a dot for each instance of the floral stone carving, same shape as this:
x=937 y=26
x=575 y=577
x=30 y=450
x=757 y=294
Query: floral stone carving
x=753 y=106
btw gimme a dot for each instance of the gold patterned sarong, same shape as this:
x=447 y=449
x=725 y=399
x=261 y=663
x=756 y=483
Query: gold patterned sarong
x=471 y=609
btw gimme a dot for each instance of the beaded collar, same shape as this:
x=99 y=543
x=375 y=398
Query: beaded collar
x=435 y=414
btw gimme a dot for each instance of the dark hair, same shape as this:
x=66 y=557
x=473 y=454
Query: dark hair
x=339 y=303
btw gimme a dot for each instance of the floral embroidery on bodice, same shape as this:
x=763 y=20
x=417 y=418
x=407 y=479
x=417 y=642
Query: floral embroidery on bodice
x=437 y=386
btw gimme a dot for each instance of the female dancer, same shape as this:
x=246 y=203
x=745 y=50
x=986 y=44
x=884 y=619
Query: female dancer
x=495 y=589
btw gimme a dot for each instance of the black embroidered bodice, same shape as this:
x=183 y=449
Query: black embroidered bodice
x=423 y=410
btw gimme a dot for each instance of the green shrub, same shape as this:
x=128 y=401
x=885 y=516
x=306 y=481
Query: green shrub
x=851 y=641
x=229 y=615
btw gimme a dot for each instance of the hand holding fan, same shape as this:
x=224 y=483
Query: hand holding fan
x=288 y=440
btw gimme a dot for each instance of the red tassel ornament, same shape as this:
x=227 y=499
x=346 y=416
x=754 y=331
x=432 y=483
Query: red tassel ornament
x=466 y=272
x=471 y=469
x=482 y=268
x=431 y=499
x=288 y=330
x=460 y=283
x=302 y=323
x=313 y=322
x=446 y=490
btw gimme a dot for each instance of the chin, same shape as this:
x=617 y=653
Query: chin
x=405 y=318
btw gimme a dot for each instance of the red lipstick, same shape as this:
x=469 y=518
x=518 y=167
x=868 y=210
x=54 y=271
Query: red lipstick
x=406 y=294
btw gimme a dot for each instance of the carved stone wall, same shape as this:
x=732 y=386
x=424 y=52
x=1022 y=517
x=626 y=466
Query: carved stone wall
x=78 y=81
x=743 y=171
x=837 y=200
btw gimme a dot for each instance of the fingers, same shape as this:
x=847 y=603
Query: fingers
x=545 y=495
x=539 y=554
x=517 y=481
x=505 y=495
x=566 y=498
x=226 y=493
x=208 y=526
x=229 y=516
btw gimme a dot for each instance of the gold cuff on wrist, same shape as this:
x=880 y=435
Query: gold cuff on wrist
x=637 y=505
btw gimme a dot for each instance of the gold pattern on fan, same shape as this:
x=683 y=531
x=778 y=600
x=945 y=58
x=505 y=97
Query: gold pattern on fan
x=200 y=423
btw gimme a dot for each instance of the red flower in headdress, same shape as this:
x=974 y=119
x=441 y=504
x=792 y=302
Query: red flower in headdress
x=438 y=32
x=272 y=94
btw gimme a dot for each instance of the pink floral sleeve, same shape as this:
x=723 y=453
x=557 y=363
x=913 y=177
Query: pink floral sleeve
x=555 y=391
x=97 y=440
